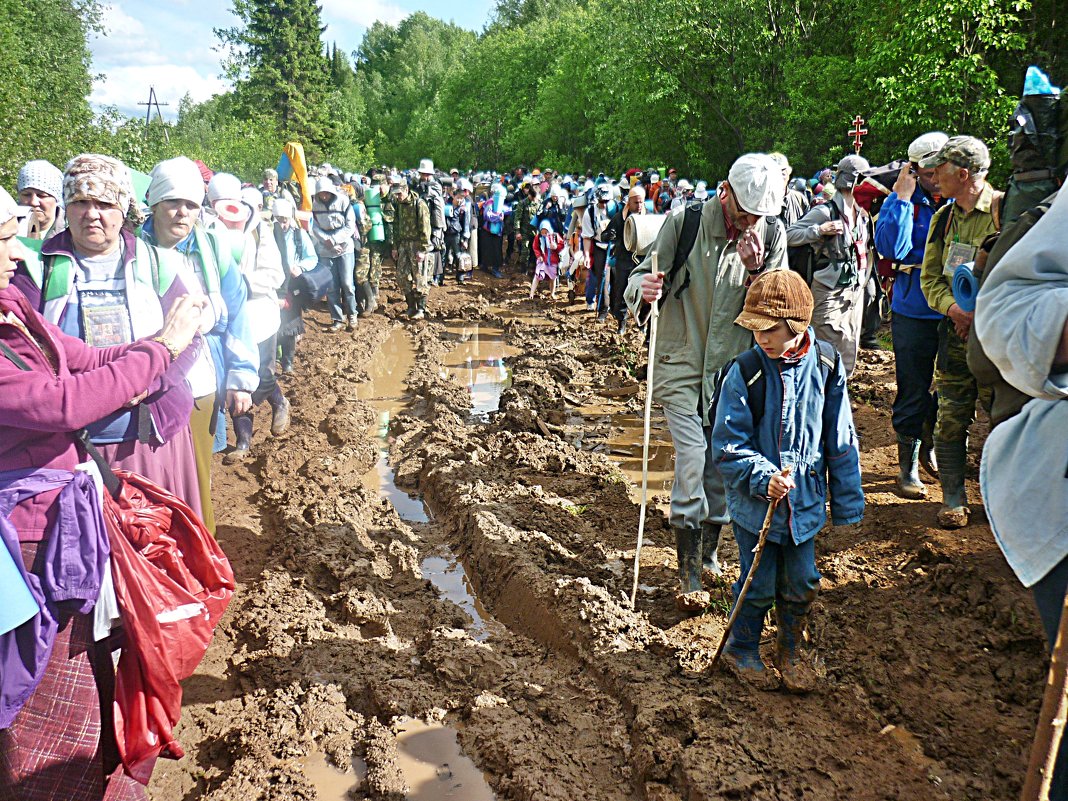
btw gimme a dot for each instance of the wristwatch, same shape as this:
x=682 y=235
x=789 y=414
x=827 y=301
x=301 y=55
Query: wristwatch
x=172 y=349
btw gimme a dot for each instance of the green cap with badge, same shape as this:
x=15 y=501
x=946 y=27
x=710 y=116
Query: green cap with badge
x=964 y=151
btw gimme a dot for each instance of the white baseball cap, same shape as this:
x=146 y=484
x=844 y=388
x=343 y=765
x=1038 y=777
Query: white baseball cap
x=927 y=145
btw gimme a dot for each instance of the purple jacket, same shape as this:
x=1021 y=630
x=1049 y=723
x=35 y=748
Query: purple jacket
x=67 y=577
x=63 y=392
x=169 y=400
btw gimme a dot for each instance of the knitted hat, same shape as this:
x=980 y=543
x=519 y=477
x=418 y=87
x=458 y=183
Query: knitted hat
x=176 y=179
x=777 y=295
x=43 y=176
x=94 y=177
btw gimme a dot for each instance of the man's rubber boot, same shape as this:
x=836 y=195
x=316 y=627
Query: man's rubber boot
x=420 y=308
x=908 y=475
x=690 y=597
x=952 y=460
x=280 y=412
x=243 y=431
x=928 y=461
x=741 y=655
x=710 y=567
x=798 y=673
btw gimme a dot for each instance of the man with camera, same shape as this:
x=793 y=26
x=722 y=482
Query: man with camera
x=901 y=235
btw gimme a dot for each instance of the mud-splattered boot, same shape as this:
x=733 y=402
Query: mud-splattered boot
x=243 y=431
x=908 y=476
x=365 y=299
x=410 y=299
x=741 y=655
x=690 y=597
x=420 y=308
x=928 y=460
x=279 y=412
x=952 y=459
x=710 y=567
x=798 y=673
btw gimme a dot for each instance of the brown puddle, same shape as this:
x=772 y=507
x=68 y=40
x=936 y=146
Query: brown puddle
x=387 y=393
x=532 y=317
x=625 y=447
x=434 y=766
x=447 y=573
x=478 y=363
x=330 y=783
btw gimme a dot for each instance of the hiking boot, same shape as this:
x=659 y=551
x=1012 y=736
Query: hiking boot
x=710 y=567
x=280 y=412
x=336 y=326
x=908 y=476
x=798 y=673
x=350 y=324
x=952 y=461
x=741 y=655
x=243 y=432
x=690 y=597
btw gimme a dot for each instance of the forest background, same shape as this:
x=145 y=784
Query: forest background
x=564 y=84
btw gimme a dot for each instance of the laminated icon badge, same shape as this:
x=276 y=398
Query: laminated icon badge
x=957 y=254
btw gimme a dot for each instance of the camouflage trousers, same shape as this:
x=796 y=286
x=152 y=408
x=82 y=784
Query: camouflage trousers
x=378 y=251
x=957 y=387
x=362 y=270
x=414 y=267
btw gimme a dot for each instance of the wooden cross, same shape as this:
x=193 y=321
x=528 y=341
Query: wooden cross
x=858 y=131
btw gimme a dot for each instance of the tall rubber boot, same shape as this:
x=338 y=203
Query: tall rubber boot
x=365 y=299
x=410 y=298
x=710 y=566
x=952 y=460
x=908 y=475
x=690 y=598
x=243 y=430
x=279 y=412
x=420 y=308
x=741 y=655
x=928 y=461
x=798 y=673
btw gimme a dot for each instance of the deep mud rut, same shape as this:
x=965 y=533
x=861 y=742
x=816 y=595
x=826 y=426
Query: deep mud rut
x=432 y=597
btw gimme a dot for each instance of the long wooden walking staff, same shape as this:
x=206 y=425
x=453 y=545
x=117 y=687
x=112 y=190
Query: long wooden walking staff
x=654 y=314
x=757 y=553
x=1051 y=719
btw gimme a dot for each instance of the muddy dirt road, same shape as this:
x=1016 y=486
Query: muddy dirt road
x=434 y=567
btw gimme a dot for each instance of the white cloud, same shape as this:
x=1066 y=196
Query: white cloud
x=363 y=14
x=126 y=86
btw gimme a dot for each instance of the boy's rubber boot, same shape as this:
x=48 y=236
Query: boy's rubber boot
x=741 y=655
x=908 y=476
x=690 y=597
x=279 y=412
x=798 y=673
x=243 y=431
x=710 y=567
x=952 y=459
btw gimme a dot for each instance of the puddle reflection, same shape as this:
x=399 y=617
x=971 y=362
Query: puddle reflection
x=478 y=361
x=447 y=573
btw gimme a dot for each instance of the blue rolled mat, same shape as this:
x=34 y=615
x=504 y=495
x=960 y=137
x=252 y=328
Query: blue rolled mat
x=965 y=287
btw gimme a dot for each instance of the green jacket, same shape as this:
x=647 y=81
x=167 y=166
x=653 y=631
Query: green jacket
x=411 y=222
x=696 y=331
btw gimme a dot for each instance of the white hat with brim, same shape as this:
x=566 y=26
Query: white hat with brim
x=756 y=180
x=925 y=146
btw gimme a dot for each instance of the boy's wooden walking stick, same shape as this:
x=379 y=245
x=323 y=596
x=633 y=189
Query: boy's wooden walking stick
x=654 y=313
x=1051 y=719
x=757 y=553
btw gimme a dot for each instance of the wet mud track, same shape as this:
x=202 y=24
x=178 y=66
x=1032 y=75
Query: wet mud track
x=434 y=567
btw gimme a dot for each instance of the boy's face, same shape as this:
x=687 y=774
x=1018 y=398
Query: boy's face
x=778 y=340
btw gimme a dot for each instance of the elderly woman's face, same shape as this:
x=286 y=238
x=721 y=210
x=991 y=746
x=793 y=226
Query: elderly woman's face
x=270 y=183
x=10 y=249
x=43 y=205
x=173 y=220
x=94 y=226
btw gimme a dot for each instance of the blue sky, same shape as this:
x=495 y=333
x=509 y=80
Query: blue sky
x=171 y=45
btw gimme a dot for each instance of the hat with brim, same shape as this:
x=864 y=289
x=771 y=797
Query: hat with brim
x=777 y=295
x=963 y=151
x=756 y=181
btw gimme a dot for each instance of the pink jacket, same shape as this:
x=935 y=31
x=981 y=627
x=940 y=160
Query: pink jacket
x=39 y=408
x=555 y=243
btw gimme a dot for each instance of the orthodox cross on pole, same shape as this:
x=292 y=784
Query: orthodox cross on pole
x=857 y=132
x=153 y=100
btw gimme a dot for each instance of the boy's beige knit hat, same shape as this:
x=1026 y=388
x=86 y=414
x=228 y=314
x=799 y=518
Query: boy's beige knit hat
x=777 y=295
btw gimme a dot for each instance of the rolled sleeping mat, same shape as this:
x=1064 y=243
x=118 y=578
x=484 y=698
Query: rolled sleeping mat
x=372 y=197
x=965 y=287
x=640 y=232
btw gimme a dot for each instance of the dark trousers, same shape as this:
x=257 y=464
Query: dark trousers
x=494 y=257
x=595 y=279
x=288 y=346
x=268 y=383
x=453 y=251
x=915 y=348
x=1049 y=597
x=620 y=275
x=787 y=572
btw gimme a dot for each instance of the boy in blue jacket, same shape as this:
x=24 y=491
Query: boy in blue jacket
x=783 y=431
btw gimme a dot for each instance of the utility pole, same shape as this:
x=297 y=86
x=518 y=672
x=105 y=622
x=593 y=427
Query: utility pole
x=153 y=100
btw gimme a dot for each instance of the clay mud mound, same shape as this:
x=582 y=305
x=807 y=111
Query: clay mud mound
x=440 y=551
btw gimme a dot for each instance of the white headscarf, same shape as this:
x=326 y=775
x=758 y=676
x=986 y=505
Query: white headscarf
x=176 y=179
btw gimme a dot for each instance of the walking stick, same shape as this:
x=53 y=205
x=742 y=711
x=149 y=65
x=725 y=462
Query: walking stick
x=758 y=552
x=654 y=315
x=1051 y=719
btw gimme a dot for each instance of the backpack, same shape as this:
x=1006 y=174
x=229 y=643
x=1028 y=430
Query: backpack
x=1007 y=401
x=1038 y=151
x=808 y=259
x=691 y=225
x=752 y=369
